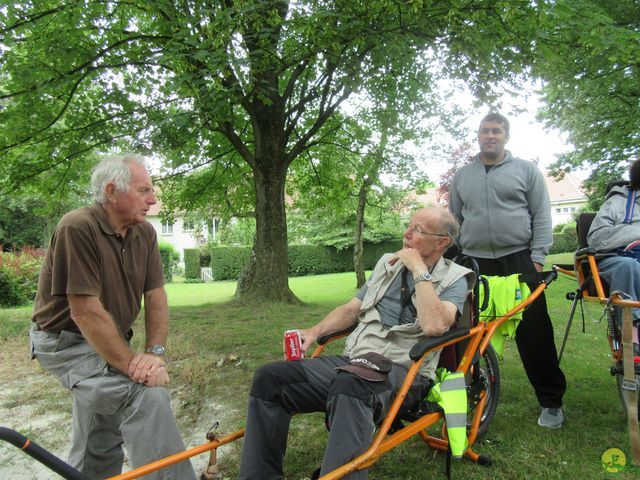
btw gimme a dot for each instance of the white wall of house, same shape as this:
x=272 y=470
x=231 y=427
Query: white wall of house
x=181 y=235
x=563 y=212
x=566 y=196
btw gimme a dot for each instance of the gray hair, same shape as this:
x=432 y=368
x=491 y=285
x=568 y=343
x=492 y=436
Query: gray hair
x=114 y=169
x=449 y=224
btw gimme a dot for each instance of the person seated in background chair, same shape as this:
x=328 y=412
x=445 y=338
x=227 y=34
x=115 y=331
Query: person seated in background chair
x=615 y=236
x=412 y=294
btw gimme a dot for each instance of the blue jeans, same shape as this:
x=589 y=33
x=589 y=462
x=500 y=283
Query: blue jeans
x=623 y=274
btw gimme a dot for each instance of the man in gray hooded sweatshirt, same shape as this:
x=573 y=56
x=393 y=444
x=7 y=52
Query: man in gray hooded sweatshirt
x=503 y=207
x=612 y=234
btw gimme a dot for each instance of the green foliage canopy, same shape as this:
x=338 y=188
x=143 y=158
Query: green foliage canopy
x=589 y=58
x=232 y=92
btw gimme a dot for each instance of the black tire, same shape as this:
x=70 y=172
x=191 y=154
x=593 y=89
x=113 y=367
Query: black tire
x=488 y=381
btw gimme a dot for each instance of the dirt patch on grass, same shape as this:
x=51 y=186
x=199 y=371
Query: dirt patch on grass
x=35 y=404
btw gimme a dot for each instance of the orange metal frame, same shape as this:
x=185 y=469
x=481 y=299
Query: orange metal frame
x=479 y=336
x=604 y=299
x=600 y=297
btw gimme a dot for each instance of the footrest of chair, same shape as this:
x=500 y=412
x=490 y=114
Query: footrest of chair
x=421 y=348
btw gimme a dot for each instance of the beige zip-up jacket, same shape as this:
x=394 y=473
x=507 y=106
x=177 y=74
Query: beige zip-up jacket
x=395 y=343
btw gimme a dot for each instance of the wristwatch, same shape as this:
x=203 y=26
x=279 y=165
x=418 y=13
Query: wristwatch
x=156 y=350
x=423 y=277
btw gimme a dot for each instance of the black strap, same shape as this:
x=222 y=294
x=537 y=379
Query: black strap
x=447 y=468
x=405 y=294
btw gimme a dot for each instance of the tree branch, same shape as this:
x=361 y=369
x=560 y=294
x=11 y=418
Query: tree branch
x=32 y=19
x=227 y=130
x=84 y=65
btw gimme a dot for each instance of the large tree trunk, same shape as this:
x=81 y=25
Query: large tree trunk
x=267 y=274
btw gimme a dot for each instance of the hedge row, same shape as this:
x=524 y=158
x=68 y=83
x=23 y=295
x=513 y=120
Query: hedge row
x=227 y=262
x=565 y=241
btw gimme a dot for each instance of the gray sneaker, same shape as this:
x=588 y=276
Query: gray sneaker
x=551 y=418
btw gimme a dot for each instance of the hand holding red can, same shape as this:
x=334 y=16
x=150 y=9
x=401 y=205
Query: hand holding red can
x=292 y=344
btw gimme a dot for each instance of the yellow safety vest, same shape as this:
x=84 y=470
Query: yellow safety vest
x=450 y=393
x=504 y=294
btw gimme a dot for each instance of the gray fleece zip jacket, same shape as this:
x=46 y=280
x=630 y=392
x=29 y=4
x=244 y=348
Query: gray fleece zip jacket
x=607 y=232
x=502 y=211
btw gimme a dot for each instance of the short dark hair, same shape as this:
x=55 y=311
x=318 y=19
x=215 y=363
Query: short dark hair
x=634 y=175
x=496 y=117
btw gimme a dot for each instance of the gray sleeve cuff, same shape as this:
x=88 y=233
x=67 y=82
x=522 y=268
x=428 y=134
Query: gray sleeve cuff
x=538 y=257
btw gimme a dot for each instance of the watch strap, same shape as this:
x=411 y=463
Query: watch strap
x=423 y=277
x=156 y=349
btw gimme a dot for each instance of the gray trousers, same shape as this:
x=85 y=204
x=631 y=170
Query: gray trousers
x=109 y=409
x=353 y=407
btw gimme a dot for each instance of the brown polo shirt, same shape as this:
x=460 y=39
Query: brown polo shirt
x=87 y=257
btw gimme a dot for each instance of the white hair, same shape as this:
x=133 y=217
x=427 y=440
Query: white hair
x=116 y=170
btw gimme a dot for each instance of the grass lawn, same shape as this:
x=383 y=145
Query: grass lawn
x=215 y=346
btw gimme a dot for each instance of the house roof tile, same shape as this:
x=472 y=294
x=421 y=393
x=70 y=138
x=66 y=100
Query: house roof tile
x=569 y=188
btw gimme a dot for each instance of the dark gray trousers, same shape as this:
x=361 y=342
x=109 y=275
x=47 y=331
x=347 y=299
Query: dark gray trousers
x=353 y=407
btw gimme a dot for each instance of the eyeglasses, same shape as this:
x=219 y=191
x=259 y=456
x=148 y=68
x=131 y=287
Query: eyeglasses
x=421 y=233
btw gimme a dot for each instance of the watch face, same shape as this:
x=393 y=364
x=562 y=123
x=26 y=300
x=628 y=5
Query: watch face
x=157 y=349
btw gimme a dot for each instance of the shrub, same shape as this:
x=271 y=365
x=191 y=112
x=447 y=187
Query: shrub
x=19 y=276
x=373 y=252
x=205 y=258
x=228 y=262
x=193 y=280
x=317 y=260
x=565 y=238
x=10 y=292
x=191 y=263
x=170 y=258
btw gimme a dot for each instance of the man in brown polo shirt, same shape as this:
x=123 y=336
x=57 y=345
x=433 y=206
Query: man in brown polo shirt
x=101 y=261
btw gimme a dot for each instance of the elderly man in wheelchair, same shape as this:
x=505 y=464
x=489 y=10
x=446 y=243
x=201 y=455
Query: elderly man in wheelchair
x=412 y=294
x=615 y=236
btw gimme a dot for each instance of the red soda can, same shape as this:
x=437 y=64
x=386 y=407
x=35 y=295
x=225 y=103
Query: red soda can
x=292 y=344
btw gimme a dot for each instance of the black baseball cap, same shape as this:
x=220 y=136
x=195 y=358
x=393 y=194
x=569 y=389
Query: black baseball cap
x=371 y=366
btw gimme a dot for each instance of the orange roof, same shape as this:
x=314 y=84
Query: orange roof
x=567 y=189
